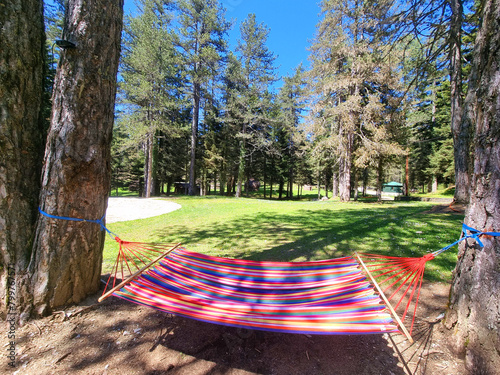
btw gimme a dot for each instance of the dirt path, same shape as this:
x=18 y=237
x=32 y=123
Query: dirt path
x=125 y=209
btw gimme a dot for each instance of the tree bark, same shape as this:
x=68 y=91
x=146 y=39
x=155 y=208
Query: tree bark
x=459 y=129
x=335 y=188
x=474 y=310
x=67 y=255
x=22 y=42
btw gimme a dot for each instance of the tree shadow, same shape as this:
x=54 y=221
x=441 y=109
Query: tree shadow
x=321 y=234
x=117 y=337
x=279 y=353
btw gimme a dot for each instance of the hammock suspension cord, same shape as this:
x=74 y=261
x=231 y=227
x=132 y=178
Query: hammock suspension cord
x=404 y=275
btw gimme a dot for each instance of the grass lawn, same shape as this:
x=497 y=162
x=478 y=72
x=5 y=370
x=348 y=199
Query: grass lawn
x=298 y=230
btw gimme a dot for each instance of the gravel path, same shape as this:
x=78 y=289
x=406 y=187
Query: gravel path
x=125 y=209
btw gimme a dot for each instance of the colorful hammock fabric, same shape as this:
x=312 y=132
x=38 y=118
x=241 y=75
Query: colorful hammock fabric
x=318 y=297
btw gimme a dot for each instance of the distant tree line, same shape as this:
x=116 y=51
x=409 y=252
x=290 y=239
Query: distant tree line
x=378 y=93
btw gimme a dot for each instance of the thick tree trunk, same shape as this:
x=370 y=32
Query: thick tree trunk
x=67 y=255
x=474 y=312
x=21 y=141
x=459 y=129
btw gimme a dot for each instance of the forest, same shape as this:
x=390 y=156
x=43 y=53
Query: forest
x=374 y=104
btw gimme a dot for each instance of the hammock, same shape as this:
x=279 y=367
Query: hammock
x=317 y=297
x=321 y=297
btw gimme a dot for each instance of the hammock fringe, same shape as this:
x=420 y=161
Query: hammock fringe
x=386 y=301
x=134 y=275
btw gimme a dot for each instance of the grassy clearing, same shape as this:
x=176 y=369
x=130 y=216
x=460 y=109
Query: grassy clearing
x=294 y=231
x=440 y=193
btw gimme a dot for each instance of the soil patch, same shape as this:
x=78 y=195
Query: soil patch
x=455 y=209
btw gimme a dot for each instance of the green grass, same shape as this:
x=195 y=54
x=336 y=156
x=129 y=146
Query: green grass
x=123 y=192
x=440 y=193
x=295 y=231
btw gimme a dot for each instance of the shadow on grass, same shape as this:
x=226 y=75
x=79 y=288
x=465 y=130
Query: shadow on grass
x=305 y=234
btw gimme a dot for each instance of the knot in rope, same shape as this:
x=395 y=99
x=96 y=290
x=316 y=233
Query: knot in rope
x=428 y=257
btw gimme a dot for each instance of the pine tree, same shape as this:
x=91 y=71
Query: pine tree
x=473 y=315
x=291 y=101
x=65 y=265
x=201 y=42
x=355 y=106
x=21 y=143
x=232 y=120
x=257 y=73
x=151 y=81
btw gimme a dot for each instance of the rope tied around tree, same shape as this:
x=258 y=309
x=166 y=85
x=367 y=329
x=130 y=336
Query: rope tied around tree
x=95 y=221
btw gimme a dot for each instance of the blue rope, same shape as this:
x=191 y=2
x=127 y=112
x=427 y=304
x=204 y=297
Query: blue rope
x=99 y=221
x=468 y=232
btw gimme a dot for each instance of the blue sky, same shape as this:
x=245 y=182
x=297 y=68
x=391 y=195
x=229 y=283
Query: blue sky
x=292 y=25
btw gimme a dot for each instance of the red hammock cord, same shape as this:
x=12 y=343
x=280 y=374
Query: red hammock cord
x=399 y=272
x=134 y=255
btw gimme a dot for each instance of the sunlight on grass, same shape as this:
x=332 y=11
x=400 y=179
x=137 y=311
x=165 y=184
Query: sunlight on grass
x=295 y=231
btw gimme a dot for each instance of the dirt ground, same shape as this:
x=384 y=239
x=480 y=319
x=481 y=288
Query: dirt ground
x=118 y=337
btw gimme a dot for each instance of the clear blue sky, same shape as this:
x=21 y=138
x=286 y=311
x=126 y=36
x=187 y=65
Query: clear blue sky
x=292 y=25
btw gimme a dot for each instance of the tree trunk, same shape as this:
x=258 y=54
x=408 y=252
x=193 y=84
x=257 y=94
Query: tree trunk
x=22 y=42
x=335 y=191
x=265 y=176
x=241 y=168
x=356 y=184
x=281 y=185
x=194 y=138
x=222 y=181
x=345 y=170
x=148 y=170
x=380 y=179
x=67 y=255
x=459 y=129
x=474 y=312
x=318 y=186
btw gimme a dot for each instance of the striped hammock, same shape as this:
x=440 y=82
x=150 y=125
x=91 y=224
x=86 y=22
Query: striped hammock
x=318 y=297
